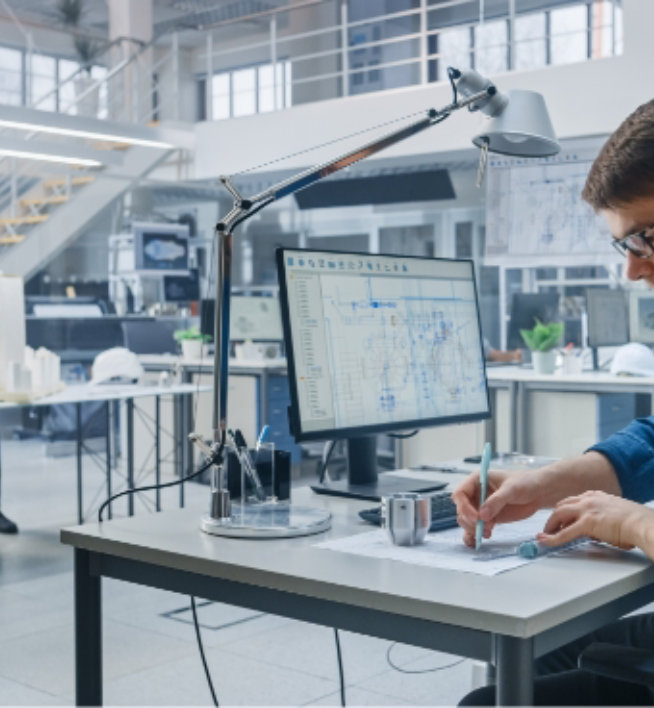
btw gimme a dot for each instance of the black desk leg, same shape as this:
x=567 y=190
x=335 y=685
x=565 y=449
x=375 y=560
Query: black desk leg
x=157 y=450
x=129 y=404
x=514 y=659
x=78 y=448
x=108 y=455
x=88 y=632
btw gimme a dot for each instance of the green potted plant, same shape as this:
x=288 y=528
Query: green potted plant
x=542 y=340
x=191 y=340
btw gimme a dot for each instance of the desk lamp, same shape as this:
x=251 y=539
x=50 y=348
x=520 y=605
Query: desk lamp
x=519 y=125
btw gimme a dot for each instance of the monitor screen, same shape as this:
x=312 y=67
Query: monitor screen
x=380 y=343
x=161 y=248
x=608 y=324
x=641 y=316
x=526 y=308
x=251 y=317
x=182 y=288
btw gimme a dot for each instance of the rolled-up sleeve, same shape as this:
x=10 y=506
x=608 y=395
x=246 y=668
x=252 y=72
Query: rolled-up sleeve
x=631 y=452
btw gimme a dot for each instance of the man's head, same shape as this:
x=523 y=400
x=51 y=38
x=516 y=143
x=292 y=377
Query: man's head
x=620 y=185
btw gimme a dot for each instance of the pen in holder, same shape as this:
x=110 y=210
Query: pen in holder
x=264 y=461
x=278 y=488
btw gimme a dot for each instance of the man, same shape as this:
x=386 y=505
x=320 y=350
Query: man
x=599 y=493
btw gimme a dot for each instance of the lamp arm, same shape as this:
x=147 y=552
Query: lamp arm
x=244 y=208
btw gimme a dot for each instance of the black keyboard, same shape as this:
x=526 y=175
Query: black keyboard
x=443 y=512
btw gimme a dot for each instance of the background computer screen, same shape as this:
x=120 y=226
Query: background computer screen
x=526 y=308
x=161 y=247
x=379 y=343
x=182 y=288
x=608 y=323
x=251 y=317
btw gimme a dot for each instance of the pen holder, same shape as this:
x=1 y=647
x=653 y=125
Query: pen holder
x=274 y=471
x=571 y=362
x=406 y=516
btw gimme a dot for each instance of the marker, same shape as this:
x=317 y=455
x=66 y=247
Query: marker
x=241 y=450
x=262 y=436
x=483 y=484
x=533 y=549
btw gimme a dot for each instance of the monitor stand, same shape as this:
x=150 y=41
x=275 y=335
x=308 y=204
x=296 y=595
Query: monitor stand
x=363 y=482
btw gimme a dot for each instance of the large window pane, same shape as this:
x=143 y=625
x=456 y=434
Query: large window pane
x=529 y=45
x=569 y=34
x=67 y=69
x=11 y=62
x=267 y=88
x=244 y=95
x=220 y=106
x=43 y=83
x=454 y=50
x=490 y=47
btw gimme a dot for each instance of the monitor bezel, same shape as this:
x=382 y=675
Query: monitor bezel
x=636 y=332
x=363 y=430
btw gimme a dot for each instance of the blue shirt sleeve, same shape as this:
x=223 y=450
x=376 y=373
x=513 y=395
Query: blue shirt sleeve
x=631 y=452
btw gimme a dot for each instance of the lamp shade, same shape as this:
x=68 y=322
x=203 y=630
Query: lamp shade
x=523 y=128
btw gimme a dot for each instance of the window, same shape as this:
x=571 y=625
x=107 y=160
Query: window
x=530 y=50
x=43 y=82
x=454 y=50
x=491 y=47
x=257 y=89
x=569 y=34
x=11 y=76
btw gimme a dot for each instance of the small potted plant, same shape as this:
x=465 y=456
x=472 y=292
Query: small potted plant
x=542 y=340
x=191 y=340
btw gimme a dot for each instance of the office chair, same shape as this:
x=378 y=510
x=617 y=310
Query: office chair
x=618 y=662
x=150 y=337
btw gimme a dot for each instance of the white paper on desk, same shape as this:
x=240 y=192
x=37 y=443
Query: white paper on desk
x=445 y=549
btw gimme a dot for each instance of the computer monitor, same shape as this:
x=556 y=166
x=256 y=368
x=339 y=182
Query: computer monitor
x=161 y=248
x=641 y=316
x=251 y=317
x=608 y=323
x=378 y=344
x=182 y=288
x=526 y=308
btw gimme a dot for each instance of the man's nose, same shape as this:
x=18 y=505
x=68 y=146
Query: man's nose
x=639 y=268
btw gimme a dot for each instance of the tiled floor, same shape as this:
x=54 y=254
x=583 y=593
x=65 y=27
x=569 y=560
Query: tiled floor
x=151 y=656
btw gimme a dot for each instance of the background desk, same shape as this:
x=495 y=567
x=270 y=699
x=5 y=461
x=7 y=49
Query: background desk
x=258 y=395
x=80 y=394
x=561 y=414
x=508 y=619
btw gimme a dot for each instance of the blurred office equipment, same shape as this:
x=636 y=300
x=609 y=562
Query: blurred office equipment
x=379 y=344
x=607 y=320
x=149 y=336
x=641 y=316
x=526 y=308
x=252 y=317
x=182 y=288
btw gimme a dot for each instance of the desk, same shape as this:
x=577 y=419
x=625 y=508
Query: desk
x=520 y=381
x=87 y=393
x=509 y=618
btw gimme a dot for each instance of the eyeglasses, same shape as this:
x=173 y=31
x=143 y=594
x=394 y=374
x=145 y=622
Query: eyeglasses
x=640 y=244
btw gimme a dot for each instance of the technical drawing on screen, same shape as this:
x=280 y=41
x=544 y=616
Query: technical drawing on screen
x=380 y=343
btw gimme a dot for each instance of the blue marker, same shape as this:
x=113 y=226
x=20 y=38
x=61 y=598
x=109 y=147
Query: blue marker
x=483 y=484
x=262 y=436
x=533 y=549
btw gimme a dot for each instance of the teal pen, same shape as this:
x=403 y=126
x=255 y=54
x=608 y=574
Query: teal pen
x=483 y=484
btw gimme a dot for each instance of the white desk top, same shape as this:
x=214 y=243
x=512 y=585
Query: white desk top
x=84 y=393
x=527 y=375
x=520 y=603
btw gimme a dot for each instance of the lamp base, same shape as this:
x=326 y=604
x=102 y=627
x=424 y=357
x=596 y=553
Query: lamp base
x=269 y=520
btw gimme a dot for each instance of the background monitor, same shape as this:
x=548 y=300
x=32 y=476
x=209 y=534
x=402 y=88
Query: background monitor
x=182 y=288
x=641 y=316
x=161 y=248
x=251 y=317
x=379 y=343
x=608 y=324
x=526 y=308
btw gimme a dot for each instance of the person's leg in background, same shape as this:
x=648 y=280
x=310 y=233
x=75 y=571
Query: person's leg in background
x=559 y=682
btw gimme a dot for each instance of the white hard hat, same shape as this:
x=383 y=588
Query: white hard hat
x=116 y=365
x=633 y=359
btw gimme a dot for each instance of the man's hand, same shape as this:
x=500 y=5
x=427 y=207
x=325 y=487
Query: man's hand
x=603 y=517
x=511 y=496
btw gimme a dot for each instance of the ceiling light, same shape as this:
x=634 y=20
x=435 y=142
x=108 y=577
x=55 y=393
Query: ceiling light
x=27 y=155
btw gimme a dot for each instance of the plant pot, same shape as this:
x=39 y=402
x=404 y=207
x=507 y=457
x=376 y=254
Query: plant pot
x=544 y=362
x=192 y=348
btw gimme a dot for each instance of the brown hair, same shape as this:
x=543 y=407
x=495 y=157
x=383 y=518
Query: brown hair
x=624 y=169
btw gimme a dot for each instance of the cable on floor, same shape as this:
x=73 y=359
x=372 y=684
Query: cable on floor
x=341 y=677
x=418 y=671
x=198 y=636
